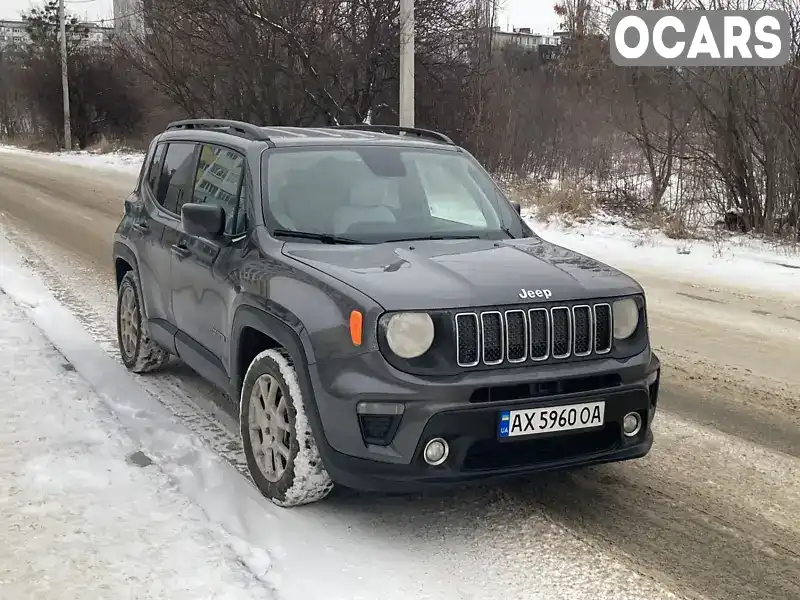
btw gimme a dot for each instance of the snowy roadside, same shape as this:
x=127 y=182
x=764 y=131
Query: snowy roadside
x=127 y=162
x=84 y=513
x=738 y=261
x=298 y=554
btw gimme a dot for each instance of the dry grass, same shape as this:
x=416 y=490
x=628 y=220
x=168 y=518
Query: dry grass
x=103 y=145
x=673 y=226
x=39 y=143
x=107 y=145
x=571 y=202
x=568 y=201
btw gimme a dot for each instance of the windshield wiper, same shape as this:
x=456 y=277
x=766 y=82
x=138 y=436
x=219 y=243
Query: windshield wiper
x=325 y=238
x=438 y=236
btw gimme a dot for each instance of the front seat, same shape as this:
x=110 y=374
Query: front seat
x=365 y=206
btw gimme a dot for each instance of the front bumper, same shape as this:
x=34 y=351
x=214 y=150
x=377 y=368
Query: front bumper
x=455 y=411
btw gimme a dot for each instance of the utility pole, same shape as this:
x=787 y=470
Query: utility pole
x=407 y=63
x=62 y=21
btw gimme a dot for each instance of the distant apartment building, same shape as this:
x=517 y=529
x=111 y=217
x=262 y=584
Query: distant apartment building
x=548 y=47
x=523 y=37
x=15 y=33
x=462 y=49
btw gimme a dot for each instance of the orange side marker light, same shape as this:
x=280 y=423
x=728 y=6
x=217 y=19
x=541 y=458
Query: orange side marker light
x=356 y=327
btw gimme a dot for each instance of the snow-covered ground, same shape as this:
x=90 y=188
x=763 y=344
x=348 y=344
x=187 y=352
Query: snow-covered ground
x=83 y=511
x=736 y=260
x=128 y=162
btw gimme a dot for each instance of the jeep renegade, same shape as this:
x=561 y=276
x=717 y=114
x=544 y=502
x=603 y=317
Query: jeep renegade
x=378 y=310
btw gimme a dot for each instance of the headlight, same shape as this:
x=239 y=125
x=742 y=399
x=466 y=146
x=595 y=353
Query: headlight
x=626 y=318
x=409 y=335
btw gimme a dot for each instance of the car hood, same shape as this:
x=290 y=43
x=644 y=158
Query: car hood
x=460 y=273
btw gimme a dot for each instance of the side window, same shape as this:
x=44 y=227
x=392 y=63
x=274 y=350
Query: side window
x=177 y=173
x=155 y=169
x=219 y=174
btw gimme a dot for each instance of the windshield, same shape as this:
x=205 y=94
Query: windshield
x=374 y=194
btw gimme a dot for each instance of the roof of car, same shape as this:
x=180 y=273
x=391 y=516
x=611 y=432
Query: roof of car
x=247 y=133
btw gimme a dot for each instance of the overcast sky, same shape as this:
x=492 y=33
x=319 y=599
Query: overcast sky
x=536 y=14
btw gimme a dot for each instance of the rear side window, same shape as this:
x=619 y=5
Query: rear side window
x=219 y=177
x=155 y=168
x=177 y=174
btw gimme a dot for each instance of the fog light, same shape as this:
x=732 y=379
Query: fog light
x=436 y=452
x=631 y=424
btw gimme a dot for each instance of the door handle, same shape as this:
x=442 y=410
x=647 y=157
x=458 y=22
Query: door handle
x=141 y=227
x=181 y=251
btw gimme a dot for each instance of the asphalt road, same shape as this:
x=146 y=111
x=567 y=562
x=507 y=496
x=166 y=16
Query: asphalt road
x=713 y=512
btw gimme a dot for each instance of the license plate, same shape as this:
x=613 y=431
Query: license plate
x=531 y=421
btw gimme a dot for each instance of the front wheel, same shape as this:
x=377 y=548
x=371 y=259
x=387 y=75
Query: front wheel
x=278 y=443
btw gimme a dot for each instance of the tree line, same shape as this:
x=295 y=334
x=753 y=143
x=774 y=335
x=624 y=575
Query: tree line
x=683 y=143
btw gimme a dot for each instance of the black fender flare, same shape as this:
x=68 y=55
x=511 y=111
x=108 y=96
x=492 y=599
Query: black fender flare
x=125 y=253
x=299 y=349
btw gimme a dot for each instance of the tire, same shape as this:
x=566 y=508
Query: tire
x=288 y=469
x=139 y=353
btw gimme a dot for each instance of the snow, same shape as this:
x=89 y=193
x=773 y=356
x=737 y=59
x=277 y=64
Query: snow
x=84 y=513
x=734 y=260
x=127 y=162
x=311 y=481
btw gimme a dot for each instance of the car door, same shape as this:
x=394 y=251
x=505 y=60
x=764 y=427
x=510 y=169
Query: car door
x=165 y=189
x=204 y=271
x=152 y=217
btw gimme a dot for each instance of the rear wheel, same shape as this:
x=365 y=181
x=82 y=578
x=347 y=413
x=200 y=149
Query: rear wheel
x=278 y=443
x=139 y=353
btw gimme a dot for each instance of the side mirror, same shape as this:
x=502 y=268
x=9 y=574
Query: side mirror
x=203 y=220
x=517 y=207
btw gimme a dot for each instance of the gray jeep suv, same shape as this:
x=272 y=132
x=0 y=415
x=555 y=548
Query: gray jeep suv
x=380 y=313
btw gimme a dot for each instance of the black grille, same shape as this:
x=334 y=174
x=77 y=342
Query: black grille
x=378 y=429
x=492 y=454
x=582 y=325
x=492 y=328
x=467 y=334
x=540 y=333
x=562 y=332
x=516 y=336
x=602 y=328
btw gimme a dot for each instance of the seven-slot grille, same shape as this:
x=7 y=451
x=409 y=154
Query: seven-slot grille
x=493 y=337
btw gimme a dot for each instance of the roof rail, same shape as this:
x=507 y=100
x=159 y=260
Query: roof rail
x=398 y=129
x=240 y=128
